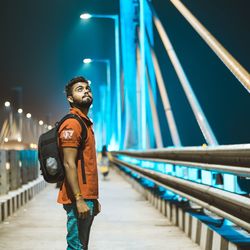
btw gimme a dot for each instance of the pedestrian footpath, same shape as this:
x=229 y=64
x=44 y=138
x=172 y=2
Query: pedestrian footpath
x=127 y=222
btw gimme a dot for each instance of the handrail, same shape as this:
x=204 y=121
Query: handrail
x=236 y=170
x=228 y=205
x=229 y=155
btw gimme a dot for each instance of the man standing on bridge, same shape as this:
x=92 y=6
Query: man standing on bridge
x=79 y=190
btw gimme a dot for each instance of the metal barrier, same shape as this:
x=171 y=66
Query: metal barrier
x=230 y=155
x=19 y=180
x=228 y=205
x=17 y=168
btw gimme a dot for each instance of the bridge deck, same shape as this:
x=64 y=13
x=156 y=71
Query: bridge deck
x=127 y=222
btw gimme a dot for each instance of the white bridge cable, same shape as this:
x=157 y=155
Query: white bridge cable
x=156 y=125
x=232 y=64
x=166 y=103
x=199 y=115
x=157 y=129
x=164 y=97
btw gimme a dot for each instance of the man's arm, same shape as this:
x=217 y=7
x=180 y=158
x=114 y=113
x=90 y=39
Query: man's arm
x=69 y=161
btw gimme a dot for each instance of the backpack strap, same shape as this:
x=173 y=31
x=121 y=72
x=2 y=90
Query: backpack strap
x=79 y=119
x=84 y=136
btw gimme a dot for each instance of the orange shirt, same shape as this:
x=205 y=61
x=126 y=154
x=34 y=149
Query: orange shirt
x=70 y=135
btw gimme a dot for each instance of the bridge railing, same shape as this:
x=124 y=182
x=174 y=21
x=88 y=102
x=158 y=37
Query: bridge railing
x=17 y=168
x=233 y=159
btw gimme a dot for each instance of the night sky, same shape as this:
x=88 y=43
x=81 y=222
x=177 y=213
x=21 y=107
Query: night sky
x=43 y=43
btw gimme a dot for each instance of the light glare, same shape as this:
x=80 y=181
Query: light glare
x=85 y=16
x=87 y=60
x=20 y=111
x=7 y=165
x=7 y=104
x=28 y=115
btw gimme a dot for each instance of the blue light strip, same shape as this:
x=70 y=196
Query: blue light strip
x=142 y=77
x=128 y=26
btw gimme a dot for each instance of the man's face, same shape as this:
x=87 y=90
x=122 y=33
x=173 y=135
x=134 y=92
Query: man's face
x=81 y=95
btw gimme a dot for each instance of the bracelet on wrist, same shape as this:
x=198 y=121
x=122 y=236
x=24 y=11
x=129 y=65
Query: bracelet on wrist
x=78 y=196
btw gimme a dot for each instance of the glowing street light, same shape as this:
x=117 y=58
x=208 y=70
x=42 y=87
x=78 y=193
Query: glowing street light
x=20 y=111
x=6 y=139
x=87 y=60
x=85 y=16
x=19 y=139
x=28 y=115
x=49 y=127
x=107 y=62
x=41 y=122
x=115 y=18
x=7 y=104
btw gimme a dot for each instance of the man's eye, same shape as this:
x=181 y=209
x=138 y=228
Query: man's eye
x=80 y=90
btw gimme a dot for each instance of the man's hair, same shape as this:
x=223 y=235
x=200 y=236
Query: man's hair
x=68 y=87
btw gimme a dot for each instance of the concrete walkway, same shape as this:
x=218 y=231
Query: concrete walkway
x=127 y=222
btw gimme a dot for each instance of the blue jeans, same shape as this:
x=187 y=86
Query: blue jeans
x=78 y=229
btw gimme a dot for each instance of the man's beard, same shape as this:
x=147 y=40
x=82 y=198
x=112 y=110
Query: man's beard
x=85 y=103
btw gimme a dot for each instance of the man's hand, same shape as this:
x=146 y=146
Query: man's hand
x=82 y=209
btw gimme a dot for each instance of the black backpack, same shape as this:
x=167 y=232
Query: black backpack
x=51 y=164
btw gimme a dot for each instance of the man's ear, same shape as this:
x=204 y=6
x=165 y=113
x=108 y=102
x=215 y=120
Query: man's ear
x=70 y=99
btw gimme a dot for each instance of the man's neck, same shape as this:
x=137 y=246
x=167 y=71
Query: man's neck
x=83 y=110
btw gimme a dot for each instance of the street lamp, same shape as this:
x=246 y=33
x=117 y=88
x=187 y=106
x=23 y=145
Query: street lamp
x=87 y=60
x=107 y=62
x=20 y=111
x=86 y=16
x=7 y=104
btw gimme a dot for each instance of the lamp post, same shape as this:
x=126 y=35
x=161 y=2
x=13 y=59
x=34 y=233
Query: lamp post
x=20 y=125
x=108 y=121
x=86 y=16
x=8 y=107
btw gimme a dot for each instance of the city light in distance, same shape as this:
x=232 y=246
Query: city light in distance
x=28 y=115
x=33 y=146
x=49 y=127
x=41 y=122
x=20 y=111
x=7 y=166
x=6 y=139
x=7 y=104
x=19 y=139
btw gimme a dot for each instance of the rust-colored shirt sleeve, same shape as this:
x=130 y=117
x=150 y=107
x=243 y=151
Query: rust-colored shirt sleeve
x=70 y=134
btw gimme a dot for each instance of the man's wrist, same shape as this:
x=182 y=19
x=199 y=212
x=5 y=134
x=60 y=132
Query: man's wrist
x=78 y=196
